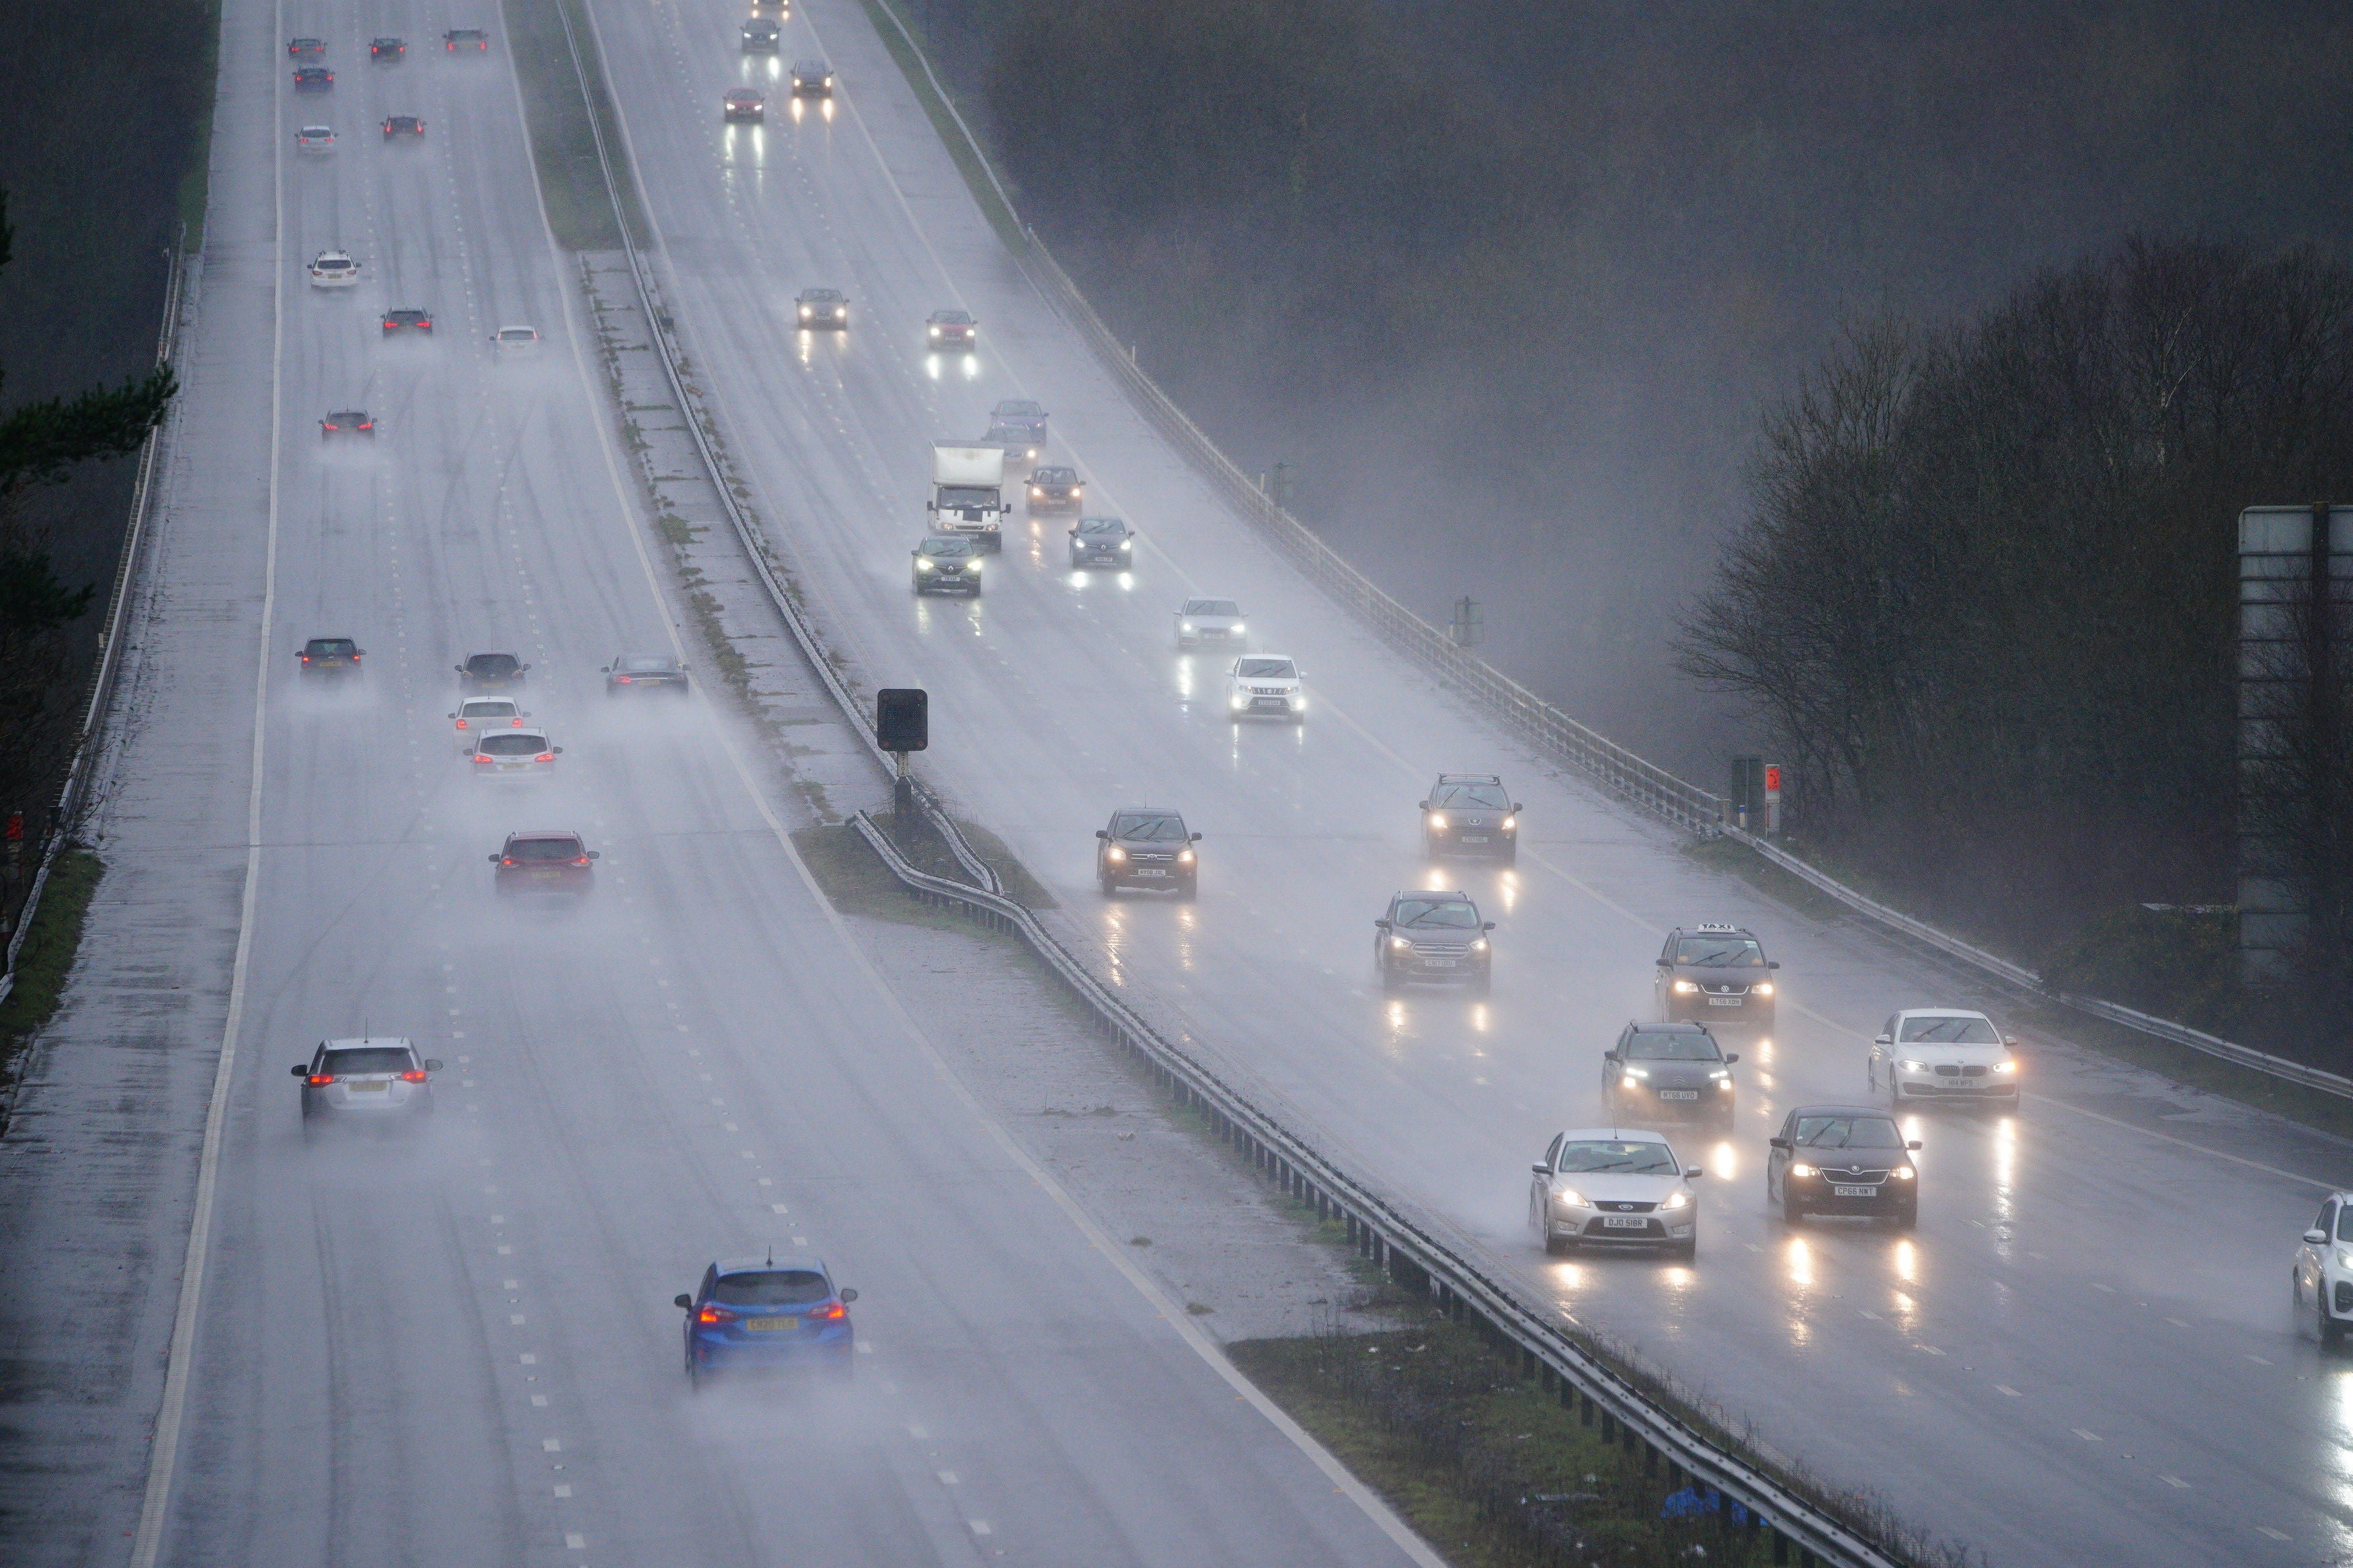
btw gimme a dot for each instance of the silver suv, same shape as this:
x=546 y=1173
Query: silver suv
x=378 y=1080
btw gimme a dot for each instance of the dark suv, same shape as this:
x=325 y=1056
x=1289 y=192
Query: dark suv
x=1659 y=1070
x=492 y=672
x=1717 y=973
x=1102 y=542
x=1434 y=938
x=545 y=862
x=1471 y=813
x=330 y=657
x=1056 y=490
x=1842 y=1159
x=631 y=674
x=1148 y=847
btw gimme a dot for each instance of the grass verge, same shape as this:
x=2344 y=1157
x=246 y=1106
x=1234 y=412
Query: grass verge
x=47 y=955
x=1785 y=888
x=856 y=883
x=562 y=139
x=1020 y=885
x=969 y=161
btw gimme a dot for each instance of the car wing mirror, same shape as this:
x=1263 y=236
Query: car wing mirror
x=849 y=1294
x=495 y=857
x=432 y=1064
x=1693 y=1173
x=2316 y=1237
x=1778 y=1142
x=1772 y=964
x=1913 y=1145
x=683 y=1301
x=459 y=668
x=1196 y=839
x=302 y=1069
x=2011 y=1040
x=1541 y=1169
x=1883 y=1040
x=686 y=666
x=1517 y=806
x=1731 y=1057
x=604 y=669
x=1490 y=925
x=595 y=854
x=1425 y=805
x=1663 y=963
x=555 y=751
x=520 y=667
x=448 y=715
x=1383 y=924
x=1611 y=1055
x=1099 y=833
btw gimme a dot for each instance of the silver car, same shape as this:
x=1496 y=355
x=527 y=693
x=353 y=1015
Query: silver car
x=376 y=1080
x=1605 y=1184
x=514 y=754
x=479 y=716
x=1218 y=621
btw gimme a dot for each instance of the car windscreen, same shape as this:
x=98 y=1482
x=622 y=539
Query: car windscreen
x=1266 y=669
x=821 y=297
x=2344 y=1222
x=1848 y=1133
x=544 y=849
x=1153 y=828
x=1487 y=795
x=330 y=648
x=493 y=663
x=966 y=495
x=947 y=549
x=1056 y=477
x=1720 y=953
x=951 y=317
x=332 y=264
x=1018 y=408
x=1627 y=1159
x=1103 y=525
x=367 y=1059
x=650 y=665
x=488 y=708
x=1210 y=607
x=1676 y=1046
x=1437 y=914
x=1949 y=1032
x=512 y=745
x=771 y=1287
x=517 y=335
x=1003 y=434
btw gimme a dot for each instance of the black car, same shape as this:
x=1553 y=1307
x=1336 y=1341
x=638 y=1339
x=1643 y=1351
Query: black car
x=947 y=563
x=1056 y=490
x=1715 y=972
x=1018 y=444
x=762 y=35
x=1434 y=938
x=812 y=79
x=1029 y=415
x=951 y=330
x=1659 y=1070
x=301 y=49
x=458 y=40
x=407 y=321
x=491 y=672
x=330 y=657
x=314 y=78
x=387 y=51
x=1842 y=1159
x=1148 y=847
x=346 y=422
x=636 y=672
x=1471 y=813
x=403 y=125
x=822 y=308
x=1102 y=542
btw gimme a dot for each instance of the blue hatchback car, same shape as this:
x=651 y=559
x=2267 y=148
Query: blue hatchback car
x=753 y=1313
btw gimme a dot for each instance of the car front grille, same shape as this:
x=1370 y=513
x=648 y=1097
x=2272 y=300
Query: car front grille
x=1947 y=1070
x=1625 y=1208
x=1854 y=1178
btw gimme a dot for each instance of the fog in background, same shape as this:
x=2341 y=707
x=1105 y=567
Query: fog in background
x=1509 y=282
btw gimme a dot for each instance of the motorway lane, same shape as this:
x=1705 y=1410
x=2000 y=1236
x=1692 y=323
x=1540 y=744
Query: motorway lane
x=2110 y=1390
x=457 y=1348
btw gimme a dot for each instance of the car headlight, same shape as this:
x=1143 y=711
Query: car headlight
x=973 y=564
x=1685 y=987
x=1114 y=853
x=1127 y=544
x=1802 y=1169
x=2005 y=1066
x=1677 y=1201
x=1479 y=947
x=1510 y=824
x=1184 y=857
x=1239 y=628
x=2344 y=1258
x=1719 y=1072
x=1186 y=626
x=1398 y=944
x=1762 y=988
x=1437 y=820
x=922 y=563
x=1638 y=1072
x=1570 y=1198
x=1914 y=1066
x=1904 y=1172
x=1241 y=701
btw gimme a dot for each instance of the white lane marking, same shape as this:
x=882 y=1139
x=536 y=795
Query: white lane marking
x=512 y=1284
x=2258 y=1360
x=917 y=1433
x=776 y=1208
x=2005 y=1388
x=2267 y=1530
x=2174 y=1482
x=564 y=1492
x=575 y=1542
x=528 y=1359
x=506 y=1252
x=551 y=1444
x=539 y=1402
x=948 y=1478
x=2088 y=1436
x=980 y=1527
x=516 y=1318
x=2186 y=1143
x=164 y=1454
x=2176 y=1322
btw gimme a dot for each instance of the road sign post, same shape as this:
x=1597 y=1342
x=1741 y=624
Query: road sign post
x=1772 y=800
x=902 y=723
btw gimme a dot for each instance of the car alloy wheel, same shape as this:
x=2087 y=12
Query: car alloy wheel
x=2332 y=1331
x=1791 y=1213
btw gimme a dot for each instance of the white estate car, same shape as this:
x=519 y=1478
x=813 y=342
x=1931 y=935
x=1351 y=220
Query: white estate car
x=333 y=269
x=514 y=754
x=1614 y=1184
x=513 y=341
x=1266 y=686
x=1943 y=1053
x=478 y=716
x=2320 y=1281
x=1211 y=620
x=315 y=139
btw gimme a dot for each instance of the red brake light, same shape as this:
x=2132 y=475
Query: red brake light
x=306 y=659
x=624 y=679
x=507 y=861
x=832 y=1309
x=319 y=1079
x=415 y=1075
x=461 y=723
x=484 y=757
x=514 y=724
x=715 y=1315
x=582 y=861
x=545 y=757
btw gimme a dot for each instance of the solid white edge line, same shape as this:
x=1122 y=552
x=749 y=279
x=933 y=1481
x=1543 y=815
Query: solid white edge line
x=164 y=1453
x=1370 y=1502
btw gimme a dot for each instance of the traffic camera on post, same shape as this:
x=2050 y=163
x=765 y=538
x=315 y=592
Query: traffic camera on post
x=902 y=723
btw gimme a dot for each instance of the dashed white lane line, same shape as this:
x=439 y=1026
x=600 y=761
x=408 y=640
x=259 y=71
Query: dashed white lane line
x=551 y=1444
x=575 y=1542
x=948 y=1478
x=2174 y=1482
x=2089 y=1436
x=2005 y=1388
x=980 y=1527
x=2267 y=1530
x=776 y=1208
x=564 y=1492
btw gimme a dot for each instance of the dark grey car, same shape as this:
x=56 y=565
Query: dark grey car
x=948 y=563
x=1471 y=813
x=633 y=673
x=1715 y=975
x=1842 y=1159
x=1148 y=847
x=1667 y=1071
x=491 y=672
x=1434 y=939
x=1102 y=542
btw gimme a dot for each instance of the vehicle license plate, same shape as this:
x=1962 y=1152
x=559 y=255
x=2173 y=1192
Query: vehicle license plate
x=1150 y=871
x=1678 y=1094
x=1854 y=1192
x=1625 y=1222
x=1467 y=838
x=771 y=1325
x=1437 y=963
x=369 y=1087
x=1723 y=1001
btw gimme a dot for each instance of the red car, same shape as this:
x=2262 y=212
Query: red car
x=546 y=861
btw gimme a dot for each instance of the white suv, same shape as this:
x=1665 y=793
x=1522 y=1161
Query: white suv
x=1266 y=686
x=513 y=342
x=2320 y=1282
x=1943 y=1053
x=333 y=269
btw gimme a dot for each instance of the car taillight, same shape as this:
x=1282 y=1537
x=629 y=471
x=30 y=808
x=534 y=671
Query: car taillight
x=716 y=1315
x=507 y=860
x=832 y=1309
x=545 y=757
x=306 y=659
x=484 y=757
x=415 y=1075
x=319 y=1079
x=582 y=861
x=461 y=723
x=514 y=724
x=624 y=679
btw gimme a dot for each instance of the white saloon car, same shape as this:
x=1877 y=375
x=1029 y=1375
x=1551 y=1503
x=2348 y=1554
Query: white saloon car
x=1605 y=1184
x=2320 y=1284
x=1211 y=620
x=1266 y=686
x=1943 y=1053
x=333 y=269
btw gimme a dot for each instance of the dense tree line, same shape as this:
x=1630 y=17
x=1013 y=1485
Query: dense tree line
x=1987 y=597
